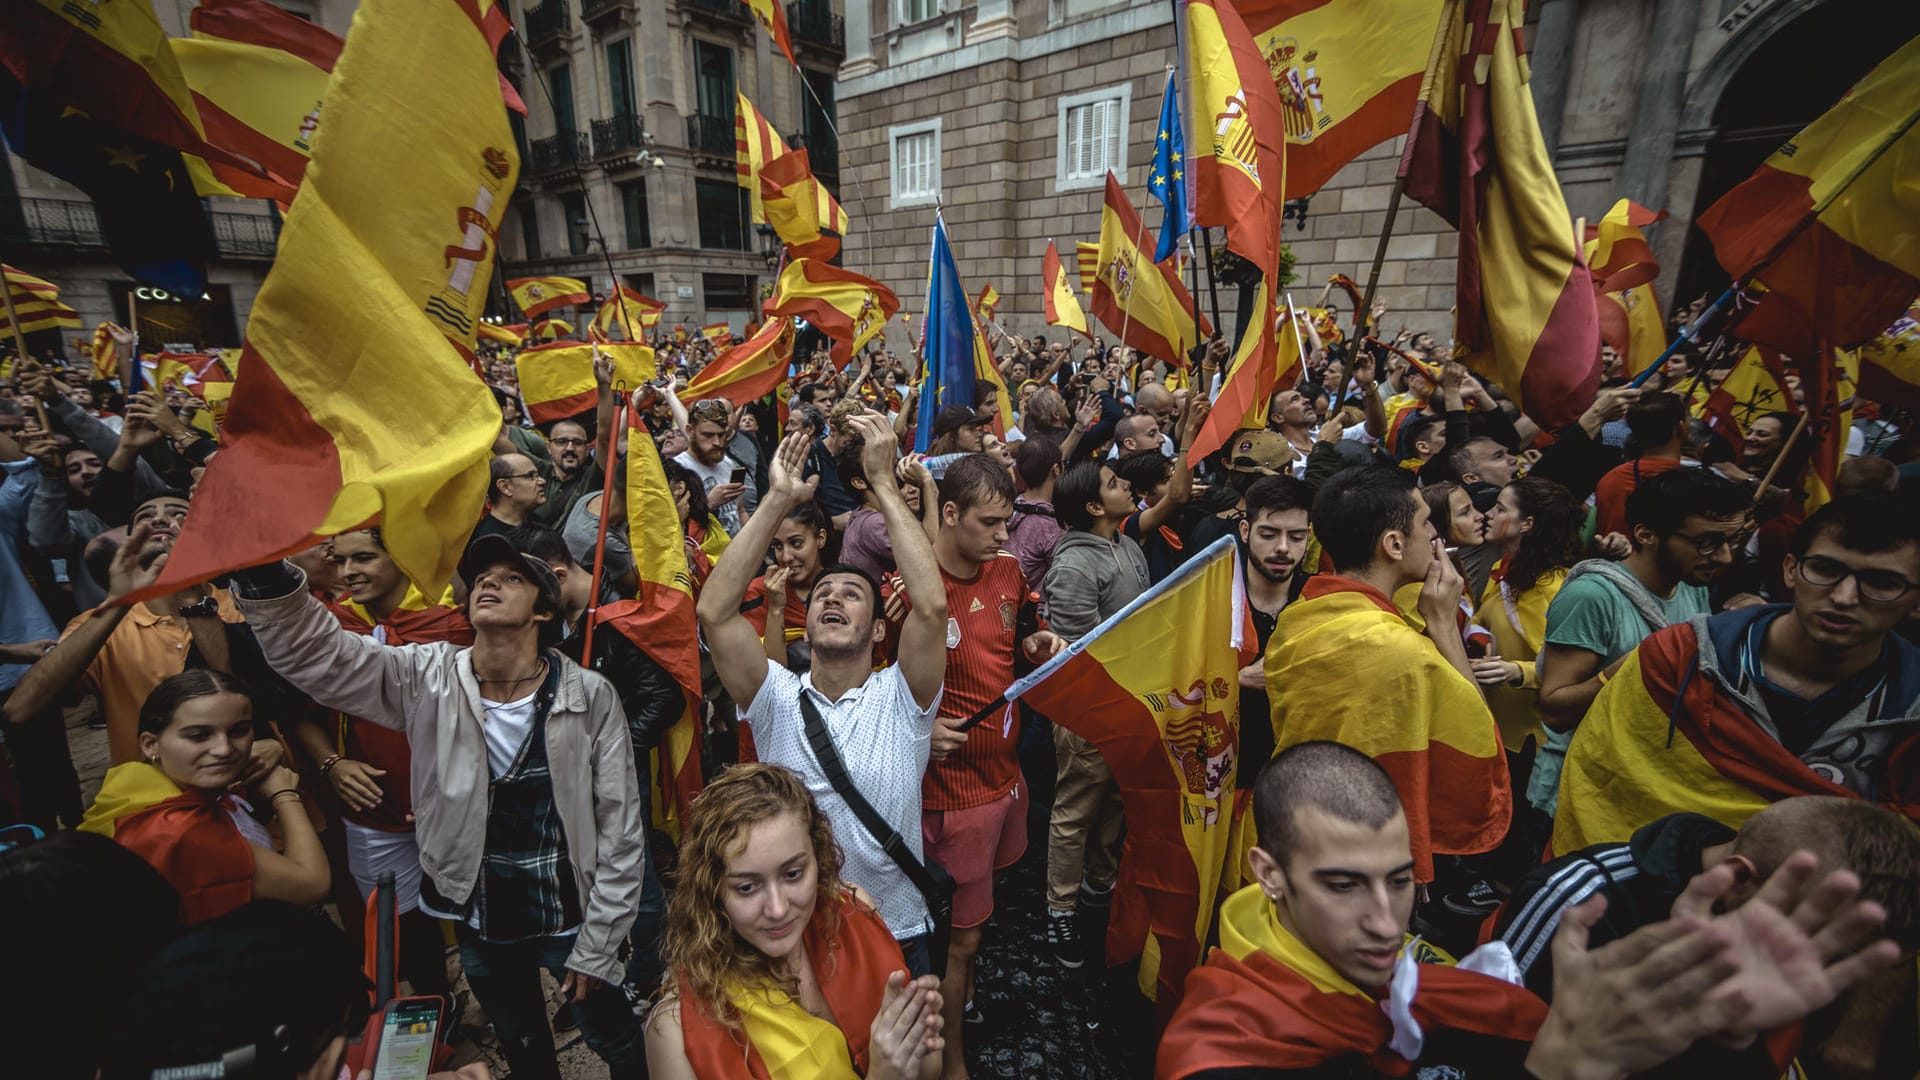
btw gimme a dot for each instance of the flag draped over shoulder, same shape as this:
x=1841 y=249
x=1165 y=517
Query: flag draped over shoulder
x=660 y=618
x=1057 y=296
x=1525 y=315
x=750 y=370
x=1890 y=363
x=1242 y=165
x=949 y=339
x=1164 y=712
x=800 y=208
x=847 y=307
x=629 y=312
x=354 y=401
x=755 y=142
x=1348 y=73
x=185 y=835
x=1826 y=222
x=535 y=296
x=1141 y=301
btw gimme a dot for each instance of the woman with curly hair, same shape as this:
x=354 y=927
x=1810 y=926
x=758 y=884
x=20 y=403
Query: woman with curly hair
x=1536 y=525
x=780 y=969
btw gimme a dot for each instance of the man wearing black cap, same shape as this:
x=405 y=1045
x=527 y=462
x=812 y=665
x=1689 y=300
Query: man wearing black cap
x=526 y=801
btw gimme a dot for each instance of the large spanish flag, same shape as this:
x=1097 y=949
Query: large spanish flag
x=1348 y=74
x=1062 y=306
x=755 y=142
x=1239 y=152
x=1525 y=312
x=535 y=296
x=1826 y=222
x=628 y=311
x=750 y=370
x=1164 y=711
x=660 y=619
x=800 y=208
x=1141 y=301
x=355 y=401
x=186 y=835
x=556 y=380
x=257 y=75
x=847 y=307
x=1439 y=742
x=1756 y=386
x=1890 y=363
x=1663 y=738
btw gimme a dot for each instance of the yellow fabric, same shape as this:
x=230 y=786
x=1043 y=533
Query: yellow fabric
x=716 y=541
x=865 y=302
x=415 y=600
x=529 y=292
x=1063 y=307
x=625 y=309
x=755 y=143
x=1846 y=373
x=1516 y=708
x=551 y=329
x=1249 y=924
x=1646 y=328
x=493 y=332
x=1753 y=390
x=554 y=374
x=989 y=304
x=1626 y=767
x=792 y=1043
x=269 y=90
x=1897 y=352
x=127 y=789
x=804 y=209
x=1137 y=285
x=132 y=30
x=1087 y=257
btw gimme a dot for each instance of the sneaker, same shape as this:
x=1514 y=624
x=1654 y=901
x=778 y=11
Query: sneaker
x=1477 y=901
x=563 y=1017
x=1090 y=896
x=972 y=1017
x=1063 y=934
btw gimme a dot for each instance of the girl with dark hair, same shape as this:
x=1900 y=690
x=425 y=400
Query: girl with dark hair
x=802 y=544
x=1536 y=525
x=177 y=808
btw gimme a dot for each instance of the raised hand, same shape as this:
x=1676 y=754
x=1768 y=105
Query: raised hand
x=786 y=473
x=879 y=449
x=131 y=570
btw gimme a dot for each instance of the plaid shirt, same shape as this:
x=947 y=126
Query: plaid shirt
x=525 y=889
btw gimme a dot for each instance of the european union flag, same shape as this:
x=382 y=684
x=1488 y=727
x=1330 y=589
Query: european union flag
x=948 y=348
x=1168 y=181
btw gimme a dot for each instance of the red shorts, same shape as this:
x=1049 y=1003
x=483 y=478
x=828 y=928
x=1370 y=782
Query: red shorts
x=972 y=844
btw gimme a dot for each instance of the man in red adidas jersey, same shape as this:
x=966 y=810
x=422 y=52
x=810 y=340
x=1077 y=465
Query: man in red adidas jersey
x=973 y=808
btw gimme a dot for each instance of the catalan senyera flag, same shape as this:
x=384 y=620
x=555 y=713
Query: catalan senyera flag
x=750 y=370
x=355 y=401
x=535 y=296
x=105 y=353
x=1348 y=72
x=660 y=618
x=1164 y=712
x=1755 y=387
x=716 y=333
x=556 y=380
x=987 y=304
x=1890 y=363
x=773 y=20
x=551 y=329
x=847 y=307
x=35 y=302
x=1663 y=738
x=1141 y=301
x=1239 y=140
x=640 y=313
x=1525 y=311
x=1826 y=222
x=1086 y=259
x=1057 y=297
x=1623 y=268
x=800 y=208
x=1251 y=377
x=755 y=142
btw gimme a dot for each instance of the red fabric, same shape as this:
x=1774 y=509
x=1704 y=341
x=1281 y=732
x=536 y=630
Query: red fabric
x=384 y=748
x=1610 y=496
x=986 y=612
x=852 y=969
x=1249 y=206
x=194 y=844
x=1327 y=584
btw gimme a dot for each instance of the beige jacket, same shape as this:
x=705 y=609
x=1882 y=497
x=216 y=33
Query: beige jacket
x=429 y=692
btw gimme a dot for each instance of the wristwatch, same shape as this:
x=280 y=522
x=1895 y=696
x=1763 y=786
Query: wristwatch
x=204 y=608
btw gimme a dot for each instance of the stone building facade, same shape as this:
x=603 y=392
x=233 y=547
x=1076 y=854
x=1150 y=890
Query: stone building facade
x=1668 y=102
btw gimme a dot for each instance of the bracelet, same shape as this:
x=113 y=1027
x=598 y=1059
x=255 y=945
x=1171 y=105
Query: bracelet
x=295 y=792
x=329 y=764
x=1604 y=677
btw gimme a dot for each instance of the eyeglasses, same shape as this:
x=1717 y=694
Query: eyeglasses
x=521 y=475
x=1709 y=542
x=567 y=442
x=1879 y=586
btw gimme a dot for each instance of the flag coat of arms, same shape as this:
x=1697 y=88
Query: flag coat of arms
x=1242 y=167
x=535 y=296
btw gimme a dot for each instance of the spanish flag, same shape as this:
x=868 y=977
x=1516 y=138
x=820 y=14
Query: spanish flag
x=1164 y=712
x=551 y=329
x=1890 y=363
x=1828 y=385
x=556 y=380
x=1141 y=301
x=1348 y=72
x=629 y=312
x=1525 y=314
x=1265 y=1001
x=1249 y=383
x=988 y=305
x=1241 y=165
x=1756 y=386
x=494 y=332
x=660 y=619
x=750 y=370
x=186 y=835
x=1062 y=306
x=774 y=21
x=755 y=142
x=1623 y=268
x=1439 y=742
x=805 y=214
x=847 y=307
x=1826 y=223
x=717 y=334
x=355 y=400
x=1664 y=737
x=536 y=296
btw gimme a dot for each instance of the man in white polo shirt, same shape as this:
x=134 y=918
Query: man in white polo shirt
x=880 y=722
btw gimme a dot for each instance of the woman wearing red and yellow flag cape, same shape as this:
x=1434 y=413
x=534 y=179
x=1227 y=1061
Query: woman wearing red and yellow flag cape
x=177 y=809
x=780 y=970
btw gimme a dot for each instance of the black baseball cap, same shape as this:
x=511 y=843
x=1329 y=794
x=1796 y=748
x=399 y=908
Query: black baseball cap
x=954 y=417
x=495 y=549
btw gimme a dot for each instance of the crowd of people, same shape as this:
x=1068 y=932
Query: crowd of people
x=1583 y=752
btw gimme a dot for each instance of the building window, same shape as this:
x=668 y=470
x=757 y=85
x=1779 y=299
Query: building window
x=816 y=122
x=908 y=12
x=713 y=79
x=574 y=207
x=728 y=292
x=633 y=206
x=529 y=229
x=1093 y=137
x=916 y=162
x=560 y=83
x=620 y=76
x=721 y=206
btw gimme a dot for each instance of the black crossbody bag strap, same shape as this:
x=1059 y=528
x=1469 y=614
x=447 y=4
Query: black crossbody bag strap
x=885 y=835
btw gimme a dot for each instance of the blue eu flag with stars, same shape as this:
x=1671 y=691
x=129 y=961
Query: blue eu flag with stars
x=1168 y=181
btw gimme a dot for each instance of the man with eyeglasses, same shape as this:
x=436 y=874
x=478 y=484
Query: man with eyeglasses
x=515 y=489
x=571 y=472
x=1686 y=526
x=1726 y=715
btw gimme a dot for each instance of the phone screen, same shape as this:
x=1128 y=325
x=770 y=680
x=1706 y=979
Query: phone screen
x=406 y=1039
x=739 y=476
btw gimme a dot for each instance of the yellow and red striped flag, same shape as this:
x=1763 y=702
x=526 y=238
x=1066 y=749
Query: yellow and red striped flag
x=495 y=332
x=660 y=619
x=1086 y=257
x=1240 y=167
x=1826 y=223
x=535 y=296
x=1890 y=363
x=640 y=313
x=1062 y=306
x=36 y=303
x=1164 y=711
x=717 y=334
x=1141 y=301
x=800 y=208
x=847 y=307
x=355 y=401
x=105 y=353
x=774 y=21
x=556 y=380
x=755 y=142
x=988 y=304
x=1623 y=268
x=1525 y=312
x=750 y=370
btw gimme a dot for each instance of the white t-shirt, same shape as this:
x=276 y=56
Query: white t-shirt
x=712 y=476
x=884 y=738
x=508 y=724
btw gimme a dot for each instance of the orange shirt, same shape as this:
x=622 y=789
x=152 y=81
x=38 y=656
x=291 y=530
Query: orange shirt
x=1610 y=495
x=142 y=651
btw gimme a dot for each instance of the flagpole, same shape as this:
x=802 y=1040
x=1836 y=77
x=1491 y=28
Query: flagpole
x=1193 y=275
x=600 y=537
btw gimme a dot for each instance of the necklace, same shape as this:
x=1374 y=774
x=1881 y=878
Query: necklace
x=537 y=672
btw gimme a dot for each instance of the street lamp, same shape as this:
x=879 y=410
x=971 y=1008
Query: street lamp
x=769 y=244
